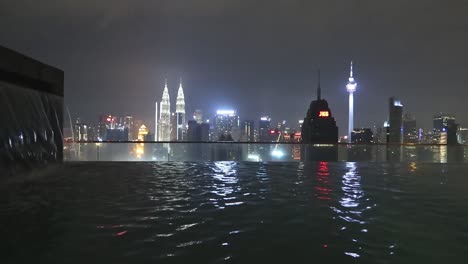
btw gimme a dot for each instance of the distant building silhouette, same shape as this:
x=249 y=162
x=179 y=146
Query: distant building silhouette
x=198 y=116
x=80 y=131
x=198 y=132
x=264 y=126
x=117 y=134
x=395 y=121
x=410 y=131
x=319 y=126
x=452 y=131
x=247 y=131
x=441 y=122
x=463 y=135
x=362 y=135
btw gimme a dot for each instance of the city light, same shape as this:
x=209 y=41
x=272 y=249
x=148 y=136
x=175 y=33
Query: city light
x=226 y=112
x=324 y=114
x=277 y=153
x=265 y=118
x=253 y=157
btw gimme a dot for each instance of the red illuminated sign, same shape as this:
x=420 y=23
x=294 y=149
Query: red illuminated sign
x=324 y=114
x=272 y=131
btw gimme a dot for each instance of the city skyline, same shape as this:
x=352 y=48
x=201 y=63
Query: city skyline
x=344 y=131
x=116 y=56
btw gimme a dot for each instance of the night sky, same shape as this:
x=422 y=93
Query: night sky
x=259 y=57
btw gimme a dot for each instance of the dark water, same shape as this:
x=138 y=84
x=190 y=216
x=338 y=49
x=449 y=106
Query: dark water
x=227 y=212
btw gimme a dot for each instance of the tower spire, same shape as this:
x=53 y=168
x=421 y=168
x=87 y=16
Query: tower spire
x=319 y=89
x=351 y=71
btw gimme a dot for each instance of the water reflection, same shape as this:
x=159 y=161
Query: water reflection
x=351 y=210
x=323 y=182
x=225 y=184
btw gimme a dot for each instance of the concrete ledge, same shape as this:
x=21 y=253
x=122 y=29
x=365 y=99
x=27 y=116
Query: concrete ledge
x=24 y=71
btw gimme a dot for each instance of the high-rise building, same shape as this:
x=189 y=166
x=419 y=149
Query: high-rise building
x=142 y=132
x=410 y=131
x=197 y=132
x=441 y=122
x=395 y=121
x=164 y=126
x=156 y=122
x=198 y=116
x=119 y=133
x=177 y=132
x=463 y=135
x=247 y=131
x=101 y=128
x=382 y=134
x=452 y=131
x=226 y=125
x=128 y=123
x=282 y=126
x=80 y=131
x=362 y=135
x=351 y=88
x=319 y=126
x=264 y=126
x=180 y=114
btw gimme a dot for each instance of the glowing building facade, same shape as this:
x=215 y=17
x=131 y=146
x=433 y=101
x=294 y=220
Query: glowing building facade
x=226 y=127
x=180 y=114
x=351 y=88
x=164 y=122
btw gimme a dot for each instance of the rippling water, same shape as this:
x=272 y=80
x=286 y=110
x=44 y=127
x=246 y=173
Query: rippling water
x=228 y=212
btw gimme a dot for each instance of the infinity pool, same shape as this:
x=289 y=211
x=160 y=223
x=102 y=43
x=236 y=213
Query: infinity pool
x=228 y=212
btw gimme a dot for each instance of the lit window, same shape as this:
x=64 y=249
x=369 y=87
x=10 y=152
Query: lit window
x=324 y=114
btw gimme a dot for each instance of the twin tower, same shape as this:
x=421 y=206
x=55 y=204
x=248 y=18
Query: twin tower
x=170 y=126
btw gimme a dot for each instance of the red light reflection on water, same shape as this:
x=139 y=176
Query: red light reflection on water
x=121 y=233
x=323 y=174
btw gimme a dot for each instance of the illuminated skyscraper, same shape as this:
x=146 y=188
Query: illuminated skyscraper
x=180 y=113
x=156 y=122
x=351 y=88
x=264 y=126
x=128 y=123
x=226 y=127
x=198 y=116
x=247 y=131
x=441 y=123
x=164 y=129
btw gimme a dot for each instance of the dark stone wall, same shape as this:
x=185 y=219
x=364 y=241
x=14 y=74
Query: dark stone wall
x=31 y=112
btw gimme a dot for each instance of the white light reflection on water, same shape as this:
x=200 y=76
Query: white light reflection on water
x=353 y=192
x=225 y=184
x=351 y=205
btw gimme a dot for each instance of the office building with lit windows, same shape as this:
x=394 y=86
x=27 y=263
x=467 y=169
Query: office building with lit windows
x=395 y=121
x=226 y=126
